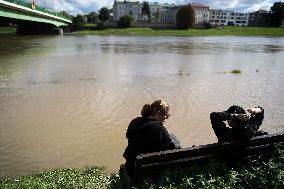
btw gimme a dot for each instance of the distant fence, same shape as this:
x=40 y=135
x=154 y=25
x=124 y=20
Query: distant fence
x=38 y=8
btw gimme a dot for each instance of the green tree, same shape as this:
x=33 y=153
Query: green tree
x=92 y=17
x=146 y=9
x=65 y=14
x=125 y=21
x=157 y=15
x=185 y=17
x=276 y=14
x=104 y=14
x=78 y=22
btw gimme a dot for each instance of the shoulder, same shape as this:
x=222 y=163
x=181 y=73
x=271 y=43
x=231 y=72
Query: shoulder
x=154 y=124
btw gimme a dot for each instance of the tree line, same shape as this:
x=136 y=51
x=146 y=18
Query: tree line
x=185 y=17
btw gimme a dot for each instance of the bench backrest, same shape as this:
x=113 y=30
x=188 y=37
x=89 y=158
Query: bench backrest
x=150 y=162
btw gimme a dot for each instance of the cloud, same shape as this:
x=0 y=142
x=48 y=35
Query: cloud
x=86 y=6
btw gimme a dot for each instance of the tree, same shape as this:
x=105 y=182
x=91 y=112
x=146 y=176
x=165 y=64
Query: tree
x=185 y=17
x=78 y=22
x=92 y=17
x=65 y=14
x=125 y=21
x=104 y=14
x=146 y=9
x=276 y=14
x=157 y=15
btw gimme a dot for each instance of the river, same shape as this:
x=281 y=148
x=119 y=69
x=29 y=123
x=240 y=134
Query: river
x=66 y=101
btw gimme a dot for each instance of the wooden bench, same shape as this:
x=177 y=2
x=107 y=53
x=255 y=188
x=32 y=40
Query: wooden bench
x=150 y=163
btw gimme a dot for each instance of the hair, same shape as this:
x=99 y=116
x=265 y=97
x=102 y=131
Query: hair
x=236 y=110
x=157 y=106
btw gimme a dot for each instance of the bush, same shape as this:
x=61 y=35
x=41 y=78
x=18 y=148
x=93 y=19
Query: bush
x=125 y=21
x=208 y=25
x=236 y=71
x=78 y=22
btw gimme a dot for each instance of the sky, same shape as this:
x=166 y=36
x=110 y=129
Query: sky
x=75 y=7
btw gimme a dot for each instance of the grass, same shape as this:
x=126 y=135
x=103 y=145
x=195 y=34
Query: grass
x=7 y=30
x=225 y=31
x=91 y=177
x=236 y=71
x=257 y=172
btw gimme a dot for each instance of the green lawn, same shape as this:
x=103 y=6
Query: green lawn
x=225 y=31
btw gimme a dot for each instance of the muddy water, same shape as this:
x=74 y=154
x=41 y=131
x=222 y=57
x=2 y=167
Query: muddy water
x=67 y=101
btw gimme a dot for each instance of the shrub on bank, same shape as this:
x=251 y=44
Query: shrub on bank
x=257 y=172
x=125 y=21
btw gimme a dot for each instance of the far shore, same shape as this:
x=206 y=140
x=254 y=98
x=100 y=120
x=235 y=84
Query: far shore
x=220 y=31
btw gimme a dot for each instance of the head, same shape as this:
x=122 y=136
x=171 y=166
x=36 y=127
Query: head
x=235 y=110
x=159 y=110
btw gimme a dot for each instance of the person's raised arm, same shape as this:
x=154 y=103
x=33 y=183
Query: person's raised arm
x=218 y=125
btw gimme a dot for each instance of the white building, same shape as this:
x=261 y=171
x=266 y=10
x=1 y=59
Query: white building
x=228 y=18
x=166 y=13
x=201 y=13
x=121 y=8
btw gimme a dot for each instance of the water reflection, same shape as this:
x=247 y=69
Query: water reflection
x=272 y=48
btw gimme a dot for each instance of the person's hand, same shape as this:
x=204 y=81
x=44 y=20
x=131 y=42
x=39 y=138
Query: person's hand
x=254 y=110
x=242 y=117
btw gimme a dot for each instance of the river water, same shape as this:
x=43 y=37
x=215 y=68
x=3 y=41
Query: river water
x=66 y=101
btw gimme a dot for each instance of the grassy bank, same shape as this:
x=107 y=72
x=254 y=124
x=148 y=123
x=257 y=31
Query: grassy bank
x=257 y=172
x=7 y=30
x=225 y=31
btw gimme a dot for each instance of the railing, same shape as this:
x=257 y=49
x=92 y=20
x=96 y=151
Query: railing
x=38 y=8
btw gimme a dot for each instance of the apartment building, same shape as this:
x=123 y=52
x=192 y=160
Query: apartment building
x=159 y=13
x=201 y=13
x=228 y=18
x=166 y=13
x=121 y=8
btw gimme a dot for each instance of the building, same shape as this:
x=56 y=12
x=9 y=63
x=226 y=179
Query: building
x=121 y=8
x=228 y=18
x=166 y=13
x=201 y=13
x=258 y=18
x=159 y=13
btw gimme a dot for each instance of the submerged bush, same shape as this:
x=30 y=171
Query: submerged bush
x=236 y=71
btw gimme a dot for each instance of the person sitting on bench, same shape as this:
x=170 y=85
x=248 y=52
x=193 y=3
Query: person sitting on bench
x=147 y=134
x=241 y=125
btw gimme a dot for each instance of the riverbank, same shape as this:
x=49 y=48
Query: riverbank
x=221 y=31
x=7 y=30
x=90 y=29
x=258 y=172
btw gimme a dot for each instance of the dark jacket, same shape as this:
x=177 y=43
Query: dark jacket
x=145 y=135
x=244 y=131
